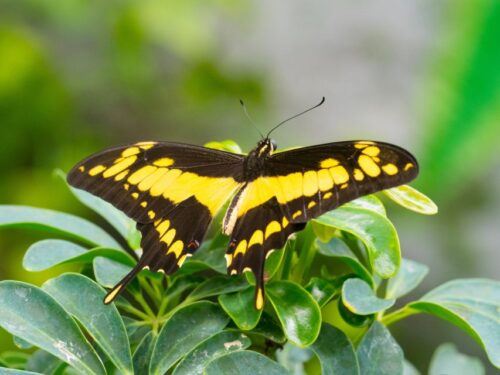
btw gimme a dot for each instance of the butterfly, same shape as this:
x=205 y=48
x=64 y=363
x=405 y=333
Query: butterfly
x=174 y=190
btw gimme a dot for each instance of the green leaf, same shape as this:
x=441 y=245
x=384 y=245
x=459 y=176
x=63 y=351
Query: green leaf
x=14 y=359
x=82 y=298
x=293 y=358
x=409 y=276
x=227 y=145
x=409 y=369
x=218 y=285
x=11 y=371
x=368 y=202
x=376 y=232
x=32 y=314
x=206 y=258
x=45 y=254
x=379 y=353
x=20 y=343
x=447 y=360
x=323 y=290
x=240 y=307
x=108 y=272
x=472 y=305
x=412 y=199
x=55 y=222
x=335 y=352
x=220 y=344
x=142 y=354
x=338 y=249
x=43 y=362
x=297 y=311
x=244 y=362
x=185 y=329
x=269 y=329
x=360 y=298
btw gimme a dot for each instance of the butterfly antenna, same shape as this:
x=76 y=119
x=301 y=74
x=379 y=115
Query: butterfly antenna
x=295 y=116
x=250 y=119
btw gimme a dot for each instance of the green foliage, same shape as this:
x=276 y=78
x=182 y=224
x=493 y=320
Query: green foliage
x=329 y=319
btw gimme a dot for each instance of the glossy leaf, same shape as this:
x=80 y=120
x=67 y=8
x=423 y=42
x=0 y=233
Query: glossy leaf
x=142 y=354
x=245 y=363
x=338 y=249
x=32 y=314
x=368 y=202
x=206 y=258
x=11 y=371
x=376 y=232
x=109 y=272
x=43 y=362
x=212 y=348
x=335 y=352
x=293 y=358
x=409 y=276
x=186 y=329
x=45 y=254
x=471 y=304
x=323 y=290
x=409 y=369
x=447 y=360
x=82 y=298
x=297 y=311
x=55 y=222
x=378 y=352
x=360 y=298
x=20 y=343
x=240 y=307
x=269 y=329
x=218 y=285
x=412 y=199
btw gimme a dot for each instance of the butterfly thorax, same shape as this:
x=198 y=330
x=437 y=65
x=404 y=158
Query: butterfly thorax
x=253 y=166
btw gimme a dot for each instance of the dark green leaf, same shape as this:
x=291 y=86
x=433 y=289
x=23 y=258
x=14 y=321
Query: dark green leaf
x=82 y=298
x=185 y=329
x=360 y=298
x=412 y=199
x=218 y=285
x=244 y=362
x=338 y=249
x=471 y=304
x=379 y=353
x=323 y=290
x=376 y=232
x=447 y=360
x=409 y=276
x=142 y=355
x=351 y=318
x=43 y=362
x=269 y=329
x=30 y=313
x=49 y=253
x=335 y=352
x=297 y=311
x=220 y=344
x=55 y=222
x=206 y=258
x=240 y=307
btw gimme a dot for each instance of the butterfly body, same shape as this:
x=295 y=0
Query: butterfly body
x=174 y=190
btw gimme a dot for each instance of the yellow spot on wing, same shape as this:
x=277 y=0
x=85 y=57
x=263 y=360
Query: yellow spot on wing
x=130 y=151
x=327 y=195
x=81 y=168
x=368 y=166
x=182 y=259
x=339 y=174
x=284 y=222
x=371 y=151
x=311 y=204
x=358 y=175
x=259 y=299
x=150 y=180
x=121 y=176
x=164 y=182
x=176 y=248
x=144 y=204
x=390 y=169
x=272 y=227
x=229 y=259
x=145 y=145
x=135 y=195
x=141 y=174
x=164 y=162
x=120 y=166
x=162 y=227
x=112 y=295
x=328 y=163
x=310 y=183
x=325 y=181
x=241 y=248
x=296 y=214
x=408 y=166
x=96 y=170
x=256 y=239
x=151 y=214
x=169 y=236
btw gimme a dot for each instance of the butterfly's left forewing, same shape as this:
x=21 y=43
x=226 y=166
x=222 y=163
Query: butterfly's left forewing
x=171 y=190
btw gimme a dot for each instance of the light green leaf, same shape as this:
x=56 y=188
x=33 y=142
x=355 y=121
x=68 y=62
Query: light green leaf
x=297 y=311
x=338 y=249
x=32 y=314
x=412 y=199
x=11 y=371
x=218 y=285
x=220 y=344
x=369 y=202
x=471 y=304
x=82 y=298
x=335 y=352
x=55 y=222
x=409 y=369
x=376 y=232
x=206 y=258
x=240 y=307
x=245 y=363
x=227 y=145
x=409 y=276
x=185 y=329
x=108 y=272
x=42 y=362
x=20 y=343
x=447 y=360
x=360 y=298
x=14 y=359
x=45 y=254
x=379 y=353
x=323 y=290
x=293 y=358
x=142 y=354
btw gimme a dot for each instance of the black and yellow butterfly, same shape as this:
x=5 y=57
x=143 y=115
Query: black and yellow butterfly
x=174 y=190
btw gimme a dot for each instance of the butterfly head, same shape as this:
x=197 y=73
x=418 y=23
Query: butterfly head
x=266 y=147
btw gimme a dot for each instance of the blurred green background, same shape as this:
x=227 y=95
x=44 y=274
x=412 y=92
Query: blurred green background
x=77 y=76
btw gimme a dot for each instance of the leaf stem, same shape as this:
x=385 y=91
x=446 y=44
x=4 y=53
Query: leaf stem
x=132 y=310
x=149 y=290
x=397 y=315
x=140 y=299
